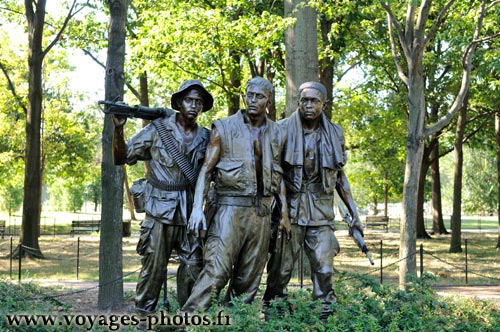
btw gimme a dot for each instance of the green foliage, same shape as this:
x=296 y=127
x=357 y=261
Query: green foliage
x=215 y=42
x=480 y=193
x=11 y=198
x=375 y=134
x=365 y=305
x=69 y=136
x=20 y=299
x=66 y=196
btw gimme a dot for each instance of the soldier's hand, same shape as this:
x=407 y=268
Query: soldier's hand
x=285 y=226
x=119 y=120
x=197 y=224
x=358 y=225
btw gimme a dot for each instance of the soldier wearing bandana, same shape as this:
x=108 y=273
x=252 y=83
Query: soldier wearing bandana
x=313 y=161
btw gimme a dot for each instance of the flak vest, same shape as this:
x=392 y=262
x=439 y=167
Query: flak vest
x=236 y=175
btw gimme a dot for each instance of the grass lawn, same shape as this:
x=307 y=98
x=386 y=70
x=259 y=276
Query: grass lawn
x=377 y=308
x=483 y=264
x=60 y=250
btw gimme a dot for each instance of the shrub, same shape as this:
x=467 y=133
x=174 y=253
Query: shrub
x=362 y=305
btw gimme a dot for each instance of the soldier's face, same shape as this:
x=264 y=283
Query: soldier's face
x=310 y=104
x=192 y=104
x=256 y=100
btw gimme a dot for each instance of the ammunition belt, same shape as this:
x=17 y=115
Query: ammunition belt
x=168 y=186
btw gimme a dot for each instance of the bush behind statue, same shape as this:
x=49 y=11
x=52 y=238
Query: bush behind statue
x=363 y=305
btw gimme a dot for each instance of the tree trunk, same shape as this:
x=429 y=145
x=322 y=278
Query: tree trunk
x=271 y=109
x=33 y=174
x=414 y=155
x=421 y=232
x=301 y=59
x=375 y=204
x=235 y=79
x=110 y=249
x=407 y=249
x=437 y=209
x=144 y=89
x=497 y=136
x=438 y=226
x=326 y=66
x=386 y=195
x=456 y=218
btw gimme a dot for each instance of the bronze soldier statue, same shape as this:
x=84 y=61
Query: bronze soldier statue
x=175 y=147
x=243 y=158
x=313 y=161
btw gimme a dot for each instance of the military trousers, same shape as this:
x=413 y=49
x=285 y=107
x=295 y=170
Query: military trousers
x=235 y=251
x=156 y=242
x=320 y=246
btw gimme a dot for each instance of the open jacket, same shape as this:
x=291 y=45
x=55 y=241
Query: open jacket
x=236 y=175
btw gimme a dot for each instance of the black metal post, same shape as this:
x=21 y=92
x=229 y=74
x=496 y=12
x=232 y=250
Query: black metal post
x=11 y=257
x=20 y=259
x=421 y=260
x=77 y=258
x=301 y=264
x=381 y=266
x=466 y=265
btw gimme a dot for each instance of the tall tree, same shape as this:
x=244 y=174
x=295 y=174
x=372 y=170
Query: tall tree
x=497 y=140
x=456 y=217
x=33 y=171
x=110 y=249
x=414 y=35
x=301 y=44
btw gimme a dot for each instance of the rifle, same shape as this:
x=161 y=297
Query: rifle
x=354 y=232
x=137 y=111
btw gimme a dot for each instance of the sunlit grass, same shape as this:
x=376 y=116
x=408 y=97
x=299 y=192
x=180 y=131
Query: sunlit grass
x=60 y=253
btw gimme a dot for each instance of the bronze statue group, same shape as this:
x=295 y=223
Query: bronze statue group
x=250 y=168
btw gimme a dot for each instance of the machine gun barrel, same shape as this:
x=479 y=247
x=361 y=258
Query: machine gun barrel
x=137 y=111
x=355 y=233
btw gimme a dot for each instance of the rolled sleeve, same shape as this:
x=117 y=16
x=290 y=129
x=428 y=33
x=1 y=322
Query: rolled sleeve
x=139 y=146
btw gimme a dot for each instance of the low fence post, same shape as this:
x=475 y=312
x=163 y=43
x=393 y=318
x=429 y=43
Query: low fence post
x=466 y=264
x=381 y=266
x=11 y=257
x=20 y=260
x=301 y=272
x=421 y=260
x=77 y=258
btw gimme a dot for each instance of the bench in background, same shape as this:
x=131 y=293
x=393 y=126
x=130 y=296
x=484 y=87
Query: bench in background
x=377 y=221
x=78 y=226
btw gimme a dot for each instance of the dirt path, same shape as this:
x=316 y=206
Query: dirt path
x=83 y=295
x=488 y=293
